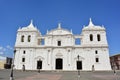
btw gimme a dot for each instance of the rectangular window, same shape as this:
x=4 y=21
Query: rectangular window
x=22 y=38
x=98 y=37
x=96 y=52
x=91 y=37
x=77 y=41
x=42 y=42
x=97 y=59
x=59 y=43
x=29 y=38
x=24 y=52
x=23 y=59
x=39 y=42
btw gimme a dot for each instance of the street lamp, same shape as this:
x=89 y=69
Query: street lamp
x=11 y=74
x=78 y=67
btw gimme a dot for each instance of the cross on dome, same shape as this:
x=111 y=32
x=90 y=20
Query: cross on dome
x=59 y=25
x=31 y=24
x=31 y=21
x=91 y=23
x=71 y=31
x=47 y=31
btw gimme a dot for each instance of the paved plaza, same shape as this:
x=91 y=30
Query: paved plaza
x=60 y=75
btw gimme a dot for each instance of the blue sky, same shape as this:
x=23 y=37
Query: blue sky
x=46 y=14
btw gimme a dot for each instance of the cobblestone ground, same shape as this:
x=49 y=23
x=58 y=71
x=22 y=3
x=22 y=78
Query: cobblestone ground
x=60 y=75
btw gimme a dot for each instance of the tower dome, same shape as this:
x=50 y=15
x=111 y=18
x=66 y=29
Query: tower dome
x=91 y=26
x=30 y=27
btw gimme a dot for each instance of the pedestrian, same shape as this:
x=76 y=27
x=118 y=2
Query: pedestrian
x=23 y=68
x=93 y=68
x=114 y=72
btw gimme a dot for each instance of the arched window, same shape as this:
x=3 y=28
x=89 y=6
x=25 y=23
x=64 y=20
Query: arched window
x=23 y=59
x=59 y=43
x=24 y=52
x=91 y=37
x=98 y=37
x=96 y=52
x=22 y=38
x=97 y=60
x=29 y=38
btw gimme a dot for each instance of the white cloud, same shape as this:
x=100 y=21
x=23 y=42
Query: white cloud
x=9 y=47
x=2 y=48
x=1 y=52
x=6 y=51
x=2 y=58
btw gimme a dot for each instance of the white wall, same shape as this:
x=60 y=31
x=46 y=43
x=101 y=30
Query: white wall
x=68 y=51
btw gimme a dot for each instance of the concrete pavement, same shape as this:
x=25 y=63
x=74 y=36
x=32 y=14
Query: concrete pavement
x=59 y=75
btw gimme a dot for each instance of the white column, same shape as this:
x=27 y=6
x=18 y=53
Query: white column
x=32 y=59
x=47 y=57
x=67 y=57
x=16 y=60
x=49 y=53
x=19 y=58
x=52 y=59
x=70 y=58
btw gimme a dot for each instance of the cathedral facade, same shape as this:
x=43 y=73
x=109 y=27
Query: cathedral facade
x=60 y=49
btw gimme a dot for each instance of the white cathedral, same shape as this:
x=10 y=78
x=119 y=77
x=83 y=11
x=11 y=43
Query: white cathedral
x=60 y=49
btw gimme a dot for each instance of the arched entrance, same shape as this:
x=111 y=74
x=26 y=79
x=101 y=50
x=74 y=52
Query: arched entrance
x=39 y=64
x=79 y=65
x=59 y=63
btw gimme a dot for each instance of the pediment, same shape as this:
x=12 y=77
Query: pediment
x=59 y=54
x=59 y=32
x=39 y=58
x=80 y=58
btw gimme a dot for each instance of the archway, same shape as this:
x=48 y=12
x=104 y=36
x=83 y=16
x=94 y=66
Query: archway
x=39 y=64
x=59 y=63
x=79 y=65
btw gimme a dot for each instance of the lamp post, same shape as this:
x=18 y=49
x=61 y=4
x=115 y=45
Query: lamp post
x=78 y=67
x=11 y=74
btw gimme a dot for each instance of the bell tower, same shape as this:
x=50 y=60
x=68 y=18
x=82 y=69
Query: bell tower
x=94 y=35
x=27 y=36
